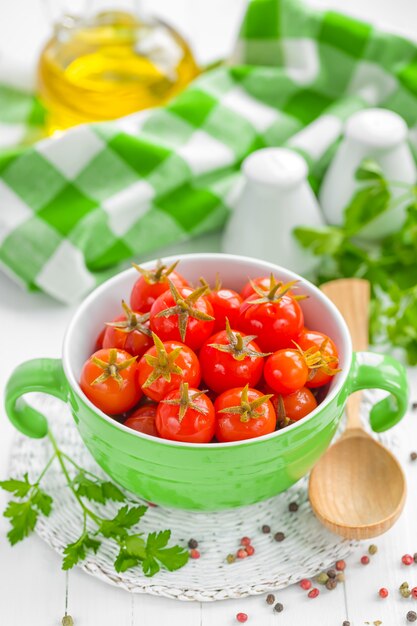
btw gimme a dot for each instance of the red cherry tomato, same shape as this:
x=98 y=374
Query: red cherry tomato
x=152 y=283
x=276 y=324
x=109 y=380
x=165 y=366
x=286 y=371
x=183 y=315
x=228 y=360
x=99 y=340
x=129 y=332
x=261 y=281
x=255 y=416
x=264 y=282
x=186 y=414
x=143 y=420
x=298 y=404
x=314 y=339
x=226 y=305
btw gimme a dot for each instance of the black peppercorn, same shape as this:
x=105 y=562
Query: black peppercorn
x=293 y=507
x=193 y=544
x=346 y=623
x=413 y=456
x=279 y=607
x=411 y=616
x=331 y=584
x=270 y=598
x=279 y=536
x=266 y=529
x=331 y=573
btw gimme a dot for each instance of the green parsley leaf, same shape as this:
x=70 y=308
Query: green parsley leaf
x=19 y=488
x=367 y=204
x=88 y=489
x=42 y=501
x=369 y=170
x=135 y=546
x=97 y=490
x=325 y=240
x=156 y=554
x=132 y=552
x=173 y=558
x=124 y=561
x=390 y=264
x=112 y=492
x=125 y=518
x=23 y=517
x=76 y=551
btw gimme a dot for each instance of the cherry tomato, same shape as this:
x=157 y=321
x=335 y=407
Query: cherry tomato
x=152 y=283
x=313 y=339
x=286 y=371
x=165 y=366
x=276 y=323
x=186 y=414
x=129 y=332
x=261 y=281
x=230 y=359
x=143 y=420
x=183 y=315
x=226 y=305
x=99 y=340
x=109 y=380
x=296 y=405
x=253 y=414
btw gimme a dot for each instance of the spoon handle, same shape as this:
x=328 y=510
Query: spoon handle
x=352 y=296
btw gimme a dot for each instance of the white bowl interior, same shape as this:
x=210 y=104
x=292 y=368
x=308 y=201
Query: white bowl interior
x=105 y=303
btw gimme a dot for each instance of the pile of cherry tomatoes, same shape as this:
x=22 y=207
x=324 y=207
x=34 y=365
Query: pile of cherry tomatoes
x=196 y=364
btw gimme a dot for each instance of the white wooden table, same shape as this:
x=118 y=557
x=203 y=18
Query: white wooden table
x=33 y=589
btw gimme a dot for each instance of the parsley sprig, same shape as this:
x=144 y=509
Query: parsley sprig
x=390 y=264
x=149 y=552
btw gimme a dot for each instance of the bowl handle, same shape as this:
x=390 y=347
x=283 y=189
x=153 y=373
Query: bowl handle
x=379 y=371
x=44 y=375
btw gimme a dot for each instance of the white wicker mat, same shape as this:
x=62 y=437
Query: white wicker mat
x=307 y=549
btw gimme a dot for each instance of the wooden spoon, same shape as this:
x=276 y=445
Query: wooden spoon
x=357 y=489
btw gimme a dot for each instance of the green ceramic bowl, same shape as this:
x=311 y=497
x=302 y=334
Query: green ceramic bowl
x=205 y=476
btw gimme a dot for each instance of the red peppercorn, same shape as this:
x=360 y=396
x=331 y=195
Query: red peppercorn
x=414 y=593
x=305 y=584
x=340 y=565
x=194 y=554
x=383 y=592
x=365 y=560
x=245 y=541
x=313 y=593
x=250 y=550
x=407 y=559
x=241 y=554
x=242 y=618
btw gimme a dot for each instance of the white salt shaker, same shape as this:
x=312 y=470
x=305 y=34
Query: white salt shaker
x=275 y=198
x=381 y=135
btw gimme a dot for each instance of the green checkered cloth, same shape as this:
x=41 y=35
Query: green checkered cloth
x=73 y=208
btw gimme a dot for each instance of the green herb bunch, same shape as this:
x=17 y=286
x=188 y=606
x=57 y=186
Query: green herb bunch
x=389 y=264
x=30 y=501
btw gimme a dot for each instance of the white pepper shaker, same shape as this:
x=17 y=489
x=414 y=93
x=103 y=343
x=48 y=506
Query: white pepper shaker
x=276 y=197
x=381 y=135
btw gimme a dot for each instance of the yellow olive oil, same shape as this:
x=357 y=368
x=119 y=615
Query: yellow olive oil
x=110 y=66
